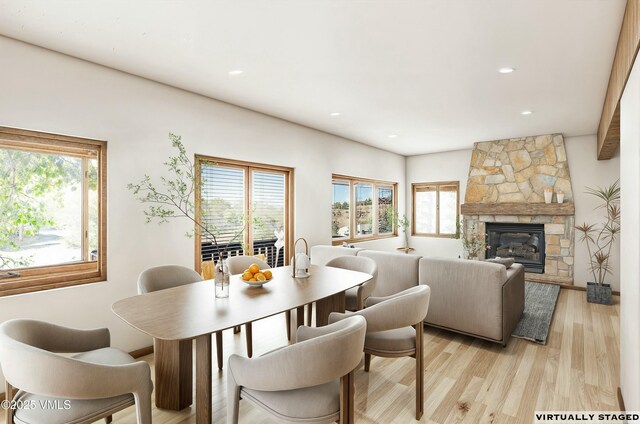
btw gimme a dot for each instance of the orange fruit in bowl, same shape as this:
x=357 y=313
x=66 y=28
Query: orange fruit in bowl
x=247 y=276
x=267 y=273
x=253 y=280
x=254 y=268
x=260 y=277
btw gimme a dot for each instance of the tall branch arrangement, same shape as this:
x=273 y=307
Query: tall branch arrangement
x=600 y=239
x=173 y=197
x=472 y=241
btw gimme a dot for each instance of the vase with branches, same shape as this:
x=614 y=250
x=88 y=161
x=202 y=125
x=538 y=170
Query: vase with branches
x=173 y=198
x=599 y=239
x=472 y=241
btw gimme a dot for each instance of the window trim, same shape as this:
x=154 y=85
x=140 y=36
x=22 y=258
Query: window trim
x=249 y=166
x=39 y=278
x=352 y=216
x=414 y=188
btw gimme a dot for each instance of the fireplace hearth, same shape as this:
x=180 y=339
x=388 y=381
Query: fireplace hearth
x=523 y=242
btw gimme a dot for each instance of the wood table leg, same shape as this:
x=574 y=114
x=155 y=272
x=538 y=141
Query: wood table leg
x=203 y=380
x=335 y=303
x=296 y=320
x=219 y=349
x=174 y=373
x=300 y=315
x=249 y=338
x=347 y=395
x=287 y=315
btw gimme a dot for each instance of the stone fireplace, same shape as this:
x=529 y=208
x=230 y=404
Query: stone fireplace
x=506 y=184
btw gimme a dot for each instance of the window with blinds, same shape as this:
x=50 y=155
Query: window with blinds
x=245 y=208
x=436 y=208
x=362 y=209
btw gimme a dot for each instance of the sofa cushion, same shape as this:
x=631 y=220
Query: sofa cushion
x=396 y=271
x=507 y=262
x=466 y=295
x=321 y=254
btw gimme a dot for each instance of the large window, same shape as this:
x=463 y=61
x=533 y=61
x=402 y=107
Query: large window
x=362 y=209
x=53 y=220
x=436 y=209
x=246 y=206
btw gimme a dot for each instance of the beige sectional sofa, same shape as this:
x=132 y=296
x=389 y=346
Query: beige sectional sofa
x=480 y=299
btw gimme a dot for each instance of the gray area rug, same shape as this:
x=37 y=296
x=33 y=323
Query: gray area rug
x=539 y=303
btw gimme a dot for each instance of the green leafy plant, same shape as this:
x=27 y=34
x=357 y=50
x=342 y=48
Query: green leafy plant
x=600 y=238
x=403 y=223
x=174 y=198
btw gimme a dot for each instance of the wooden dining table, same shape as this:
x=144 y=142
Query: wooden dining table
x=175 y=317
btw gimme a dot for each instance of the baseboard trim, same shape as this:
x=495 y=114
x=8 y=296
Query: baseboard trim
x=570 y=286
x=139 y=353
x=580 y=288
x=621 y=400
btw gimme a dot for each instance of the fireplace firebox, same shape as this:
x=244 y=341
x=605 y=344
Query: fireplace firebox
x=522 y=242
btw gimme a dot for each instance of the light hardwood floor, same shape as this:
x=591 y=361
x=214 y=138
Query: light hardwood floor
x=467 y=380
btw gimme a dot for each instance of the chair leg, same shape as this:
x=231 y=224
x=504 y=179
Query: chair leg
x=143 y=406
x=249 y=337
x=347 y=392
x=108 y=419
x=219 y=349
x=419 y=370
x=8 y=394
x=367 y=361
x=287 y=315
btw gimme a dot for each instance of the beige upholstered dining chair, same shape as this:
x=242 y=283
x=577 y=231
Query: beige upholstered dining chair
x=389 y=330
x=356 y=296
x=93 y=384
x=309 y=381
x=168 y=276
x=237 y=265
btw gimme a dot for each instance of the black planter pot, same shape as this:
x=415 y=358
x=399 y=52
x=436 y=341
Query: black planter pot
x=599 y=294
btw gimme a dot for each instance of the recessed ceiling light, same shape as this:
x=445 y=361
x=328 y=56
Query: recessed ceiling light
x=506 y=70
x=393 y=135
x=526 y=112
x=236 y=72
x=334 y=114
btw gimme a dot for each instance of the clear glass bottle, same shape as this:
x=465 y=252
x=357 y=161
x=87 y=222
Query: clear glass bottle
x=222 y=279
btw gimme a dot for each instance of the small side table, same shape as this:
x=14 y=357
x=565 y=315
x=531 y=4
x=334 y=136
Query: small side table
x=406 y=249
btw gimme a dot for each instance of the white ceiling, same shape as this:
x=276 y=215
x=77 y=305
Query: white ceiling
x=424 y=70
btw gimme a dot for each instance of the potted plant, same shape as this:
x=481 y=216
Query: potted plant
x=402 y=223
x=599 y=240
x=472 y=241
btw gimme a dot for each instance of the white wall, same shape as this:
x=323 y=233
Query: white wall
x=447 y=166
x=47 y=91
x=585 y=171
x=630 y=241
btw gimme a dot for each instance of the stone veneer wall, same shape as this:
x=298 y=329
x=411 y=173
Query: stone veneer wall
x=517 y=170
